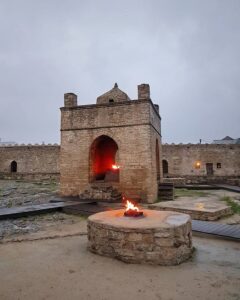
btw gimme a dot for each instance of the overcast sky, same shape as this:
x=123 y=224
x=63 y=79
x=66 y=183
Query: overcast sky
x=188 y=51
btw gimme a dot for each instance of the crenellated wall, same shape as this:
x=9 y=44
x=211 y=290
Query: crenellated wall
x=195 y=161
x=32 y=161
x=42 y=161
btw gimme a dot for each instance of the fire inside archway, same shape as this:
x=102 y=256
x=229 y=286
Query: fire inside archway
x=103 y=154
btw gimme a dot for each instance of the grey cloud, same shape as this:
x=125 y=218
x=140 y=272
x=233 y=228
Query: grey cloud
x=188 y=51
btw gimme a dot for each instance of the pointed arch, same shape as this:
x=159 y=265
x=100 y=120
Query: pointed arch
x=103 y=152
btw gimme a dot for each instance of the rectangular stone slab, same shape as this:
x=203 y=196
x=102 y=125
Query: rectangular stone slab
x=198 y=209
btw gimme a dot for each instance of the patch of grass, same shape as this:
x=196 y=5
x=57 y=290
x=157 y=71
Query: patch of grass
x=10 y=204
x=234 y=206
x=189 y=193
x=53 y=187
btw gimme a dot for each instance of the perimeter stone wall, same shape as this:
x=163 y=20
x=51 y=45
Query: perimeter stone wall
x=42 y=161
x=182 y=159
x=33 y=161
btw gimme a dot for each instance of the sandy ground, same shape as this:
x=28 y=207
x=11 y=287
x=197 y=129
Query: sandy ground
x=62 y=268
x=46 y=257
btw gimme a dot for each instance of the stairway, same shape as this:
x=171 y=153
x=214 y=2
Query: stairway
x=101 y=191
x=166 y=191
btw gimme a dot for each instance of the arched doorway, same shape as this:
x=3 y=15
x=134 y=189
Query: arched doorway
x=165 y=167
x=157 y=161
x=13 y=166
x=103 y=165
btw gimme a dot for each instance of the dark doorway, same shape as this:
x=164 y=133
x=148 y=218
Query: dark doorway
x=165 y=167
x=157 y=161
x=209 y=169
x=13 y=166
x=103 y=159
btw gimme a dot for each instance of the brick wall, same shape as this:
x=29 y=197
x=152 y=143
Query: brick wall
x=37 y=162
x=32 y=161
x=129 y=124
x=182 y=160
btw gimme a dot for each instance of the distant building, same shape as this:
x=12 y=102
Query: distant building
x=227 y=141
x=6 y=143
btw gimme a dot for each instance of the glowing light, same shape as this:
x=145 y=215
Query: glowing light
x=115 y=167
x=198 y=165
x=200 y=205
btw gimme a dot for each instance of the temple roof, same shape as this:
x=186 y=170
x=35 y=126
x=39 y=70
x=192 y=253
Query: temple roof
x=114 y=95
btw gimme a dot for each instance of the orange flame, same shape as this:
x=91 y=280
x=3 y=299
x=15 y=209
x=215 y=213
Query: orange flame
x=131 y=206
x=115 y=167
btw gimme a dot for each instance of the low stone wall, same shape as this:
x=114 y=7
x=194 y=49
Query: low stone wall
x=175 y=181
x=31 y=176
x=233 y=181
x=194 y=179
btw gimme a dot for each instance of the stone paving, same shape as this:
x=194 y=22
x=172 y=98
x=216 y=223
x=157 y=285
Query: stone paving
x=11 y=228
x=17 y=193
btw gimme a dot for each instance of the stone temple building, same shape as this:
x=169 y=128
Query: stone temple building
x=115 y=143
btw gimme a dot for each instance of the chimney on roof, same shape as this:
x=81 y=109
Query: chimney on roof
x=143 y=91
x=70 y=100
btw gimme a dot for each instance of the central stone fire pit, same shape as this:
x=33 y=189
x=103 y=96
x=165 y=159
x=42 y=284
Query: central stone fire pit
x=156 y=237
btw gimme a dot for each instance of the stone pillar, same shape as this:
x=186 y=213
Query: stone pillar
x=143 y=91
x=70 y=100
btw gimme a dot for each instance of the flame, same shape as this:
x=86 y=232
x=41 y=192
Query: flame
x=131 y=206
x=115 y=167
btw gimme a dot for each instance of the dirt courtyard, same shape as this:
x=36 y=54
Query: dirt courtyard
x=62 y=268
x=45 y=257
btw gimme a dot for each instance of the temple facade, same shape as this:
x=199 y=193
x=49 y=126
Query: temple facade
x=115 y=142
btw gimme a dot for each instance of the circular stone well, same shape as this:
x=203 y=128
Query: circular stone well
x=160 y=237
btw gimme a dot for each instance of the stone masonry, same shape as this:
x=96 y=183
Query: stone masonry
x=38 y=161
x=32 y=161
x=163 y=238
x=128 y=131
x=190 y=161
